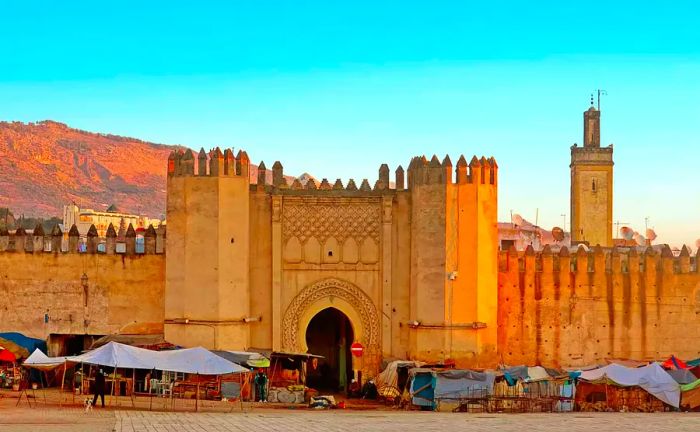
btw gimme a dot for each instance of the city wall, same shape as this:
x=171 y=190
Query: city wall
x=579 y=309
x=49 y=287
x=380 y=254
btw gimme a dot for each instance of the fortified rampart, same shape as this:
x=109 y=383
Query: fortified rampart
x=56 y=286
x=575 y=310
x=413 y=267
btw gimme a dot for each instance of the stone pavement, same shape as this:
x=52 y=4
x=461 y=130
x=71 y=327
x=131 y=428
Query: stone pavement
x=74 y=419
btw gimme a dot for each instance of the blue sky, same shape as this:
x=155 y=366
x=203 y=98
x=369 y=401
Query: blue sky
x=337 y=88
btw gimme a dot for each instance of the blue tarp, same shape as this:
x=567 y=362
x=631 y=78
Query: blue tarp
x=424 y=381
x=28 y=343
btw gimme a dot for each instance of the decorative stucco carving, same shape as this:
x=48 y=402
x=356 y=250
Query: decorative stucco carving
x=340 y=219
x=331 y=287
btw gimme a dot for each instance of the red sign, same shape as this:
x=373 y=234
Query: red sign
x=357 y=349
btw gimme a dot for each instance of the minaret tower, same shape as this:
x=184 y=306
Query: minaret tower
x=592 y=185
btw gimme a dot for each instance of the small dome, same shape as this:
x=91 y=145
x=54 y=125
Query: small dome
x=112 y=209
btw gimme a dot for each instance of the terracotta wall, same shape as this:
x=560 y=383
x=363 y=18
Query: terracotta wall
x=561 y=310
x=125 y=293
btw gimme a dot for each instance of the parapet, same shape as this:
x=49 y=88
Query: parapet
x=420 y=172
x=599 y=261
x=213 y=164
x=148 y=242
x=478 y=171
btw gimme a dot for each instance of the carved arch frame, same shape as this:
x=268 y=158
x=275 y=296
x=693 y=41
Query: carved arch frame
x=332 y=292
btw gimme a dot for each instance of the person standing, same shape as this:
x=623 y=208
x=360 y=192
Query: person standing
x=99 y=387
x=261 y=386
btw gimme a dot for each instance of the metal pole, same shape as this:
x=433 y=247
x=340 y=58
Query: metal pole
x=133 y=387
x=196 y=398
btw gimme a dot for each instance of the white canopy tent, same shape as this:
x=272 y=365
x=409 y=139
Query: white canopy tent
x=652 y=378
x=191 y=360
x=39 y=360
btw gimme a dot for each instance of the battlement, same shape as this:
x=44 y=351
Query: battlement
x=420 y=172
x=151 y=242
x=583 y=307
x=598 y=260
x=213 y=164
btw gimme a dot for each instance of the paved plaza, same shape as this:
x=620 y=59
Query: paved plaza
x=56 y=419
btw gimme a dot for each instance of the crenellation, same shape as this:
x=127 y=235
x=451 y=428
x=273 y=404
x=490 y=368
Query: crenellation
x=130 y=239
x=278 y=180
x=172 y=165
x=399 y=175
x=202 y=162
x=581 y=260
x=599 y=261
x=547 y=260
x=485 y=166
x=187 y=163
x=229 y=163
x=649 y=261
x=616 y=266
x=325 y=185
x=73 y=239
x=493 y=171
x=216 y=163
x=667 y=261
x=92 y=240
x=38 y=239
x=311 y=185
x=684 y=260
x=243 y=164
x=434 y=171
x=149 y=239
x=461 y=171
x=262 y=176
x=351 y=185
x=474 y=170
x=364 y=186
x=20 y=238
x=56 y=239
x=111 y=240
x=447 y=169
x=338 y=185
x=383 y=180
x=296 y=185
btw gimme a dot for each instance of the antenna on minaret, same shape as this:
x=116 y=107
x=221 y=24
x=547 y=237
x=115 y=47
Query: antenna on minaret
x=592 y=104
x=600 y=93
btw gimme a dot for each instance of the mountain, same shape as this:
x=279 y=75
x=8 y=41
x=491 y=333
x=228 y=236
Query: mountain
x=46 y=165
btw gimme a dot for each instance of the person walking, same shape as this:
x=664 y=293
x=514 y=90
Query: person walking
x=99 y=387
x=261 y=386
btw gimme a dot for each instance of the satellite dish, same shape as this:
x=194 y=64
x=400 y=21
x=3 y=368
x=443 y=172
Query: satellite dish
x=651 y=235
x=627 y=233
x=641 y=241
x=558 y=234
x=518 y=220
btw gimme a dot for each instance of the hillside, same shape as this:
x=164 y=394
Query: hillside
x=47 y=164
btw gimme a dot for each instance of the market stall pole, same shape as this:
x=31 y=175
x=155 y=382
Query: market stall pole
x=196 y=397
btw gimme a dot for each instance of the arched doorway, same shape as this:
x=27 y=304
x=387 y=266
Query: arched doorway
x=330 y=335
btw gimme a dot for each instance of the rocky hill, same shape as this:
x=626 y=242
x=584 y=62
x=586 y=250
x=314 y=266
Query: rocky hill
x=47 y=164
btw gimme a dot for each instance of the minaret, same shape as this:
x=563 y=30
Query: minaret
x=592 y=185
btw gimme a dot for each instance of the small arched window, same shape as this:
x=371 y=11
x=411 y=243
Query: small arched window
x=593 y=185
